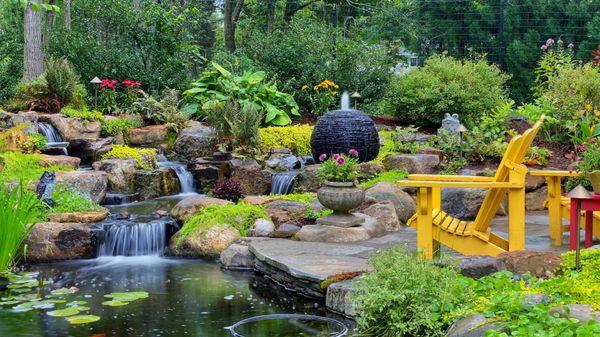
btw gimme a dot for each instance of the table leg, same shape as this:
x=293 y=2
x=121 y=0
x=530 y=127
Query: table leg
x=589 y=224
x=573 y=226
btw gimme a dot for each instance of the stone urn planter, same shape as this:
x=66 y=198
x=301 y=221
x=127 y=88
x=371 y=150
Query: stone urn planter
x=341 y=197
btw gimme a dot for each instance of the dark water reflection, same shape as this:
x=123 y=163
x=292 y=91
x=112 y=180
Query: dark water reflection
x=187 y=298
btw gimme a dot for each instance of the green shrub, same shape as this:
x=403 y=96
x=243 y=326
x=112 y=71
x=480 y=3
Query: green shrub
x=218 y=86
x=295 y=138
x=387 y=148
x=33 y=142
x=68 y=200
x=236 y=126
x=590 y=158
x=407 y=296
x=241 y=216
x=299 y=197
x=25 y=167
x=83 y=114
x=19 y=210
x=146 y=159
x=116 y=125
x=405 y=140
x=388 y=177
x=164 y=111
x=445 y=85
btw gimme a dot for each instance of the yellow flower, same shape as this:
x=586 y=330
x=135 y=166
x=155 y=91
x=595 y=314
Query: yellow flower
x=588 y=106
x=304 y=87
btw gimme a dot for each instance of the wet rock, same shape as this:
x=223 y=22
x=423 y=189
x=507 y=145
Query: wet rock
x=307 y=180
x=197 y=140
x=189 y=206
x=340 y=299
x=49 y=241
x=333 y=234
x=71 y=162
x=478 y=266
x=148 y=135
x=403 y=203
x=369 y=170
x=81 y=217
x=90 y=150
x=203 y=243
x=539 y=264
x=385 y=213
x=262 y=227
x=462 y=203
x=286 y=212
x=237 y=256
x=161 y=213
x=207 y=171
x=248 y=173
x=92 y=184
x=156 y=183
x=73 y=128
x=120 y=172
x=285 y=231
x=534 y=200
x=473 y=326
x=282 y=161
x=413 y=163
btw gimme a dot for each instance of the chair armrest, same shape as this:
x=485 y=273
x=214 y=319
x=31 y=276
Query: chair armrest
x=552 y=173
x=458 y=184
x=437 y=177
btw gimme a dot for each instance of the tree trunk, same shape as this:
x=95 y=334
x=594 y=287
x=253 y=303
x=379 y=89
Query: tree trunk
x=48 y=29
x=66 y=13
x=270 y=15
x=33 y=55
x=231 y=15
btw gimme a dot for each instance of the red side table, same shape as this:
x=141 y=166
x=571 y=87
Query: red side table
x=588 y=206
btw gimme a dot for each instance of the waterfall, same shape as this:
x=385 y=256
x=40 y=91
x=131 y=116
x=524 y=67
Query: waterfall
x=127 y=238
x=283 y=182
x=53 y=138
x=186 y=179
x=345 y=101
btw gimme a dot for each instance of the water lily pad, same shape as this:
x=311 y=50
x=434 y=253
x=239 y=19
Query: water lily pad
x=128 y=296
x=62 y=292
x=114 y=303
x=83 y=319
x=9 y=302
x=70 y=311
x=76 y=303
x=44 y=305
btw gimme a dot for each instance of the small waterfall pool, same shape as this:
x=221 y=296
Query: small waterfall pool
x=129 y=238
x=283 y=182
x=186 y=179
x=53 y=139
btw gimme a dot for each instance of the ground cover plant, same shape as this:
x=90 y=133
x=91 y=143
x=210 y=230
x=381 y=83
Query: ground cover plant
x=146 y=159
x=68 y=200
x=241 y=216
x=22 y=166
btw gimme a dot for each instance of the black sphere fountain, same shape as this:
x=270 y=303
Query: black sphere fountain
x=339 y=131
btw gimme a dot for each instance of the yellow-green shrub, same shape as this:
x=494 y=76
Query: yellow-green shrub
x=16 y=165
x=145 y=158
x=295 y=138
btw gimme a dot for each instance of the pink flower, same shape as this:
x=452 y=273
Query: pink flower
x=335 y=156
x=322 y=157
x=570 y=45
x=353 y=153
x=549 y=42
x=340 y=160
x=544 y=47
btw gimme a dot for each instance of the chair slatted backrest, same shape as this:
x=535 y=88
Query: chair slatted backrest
x=515 y=154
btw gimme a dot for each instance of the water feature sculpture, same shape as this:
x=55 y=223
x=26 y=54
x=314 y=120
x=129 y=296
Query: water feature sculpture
x=45 y=188
x=340 y=130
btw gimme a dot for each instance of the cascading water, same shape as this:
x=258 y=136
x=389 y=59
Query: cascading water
x=53 y=138
x=128 y=238
x=283 y=182
x=186 y=179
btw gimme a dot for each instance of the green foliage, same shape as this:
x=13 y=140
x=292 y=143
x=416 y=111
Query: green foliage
x=146 y=159
x=25 y=167
x=236 y=126
x=405 y=140
x=295 y=138
x=387 y=147
x=338 y=168
x=68 y=200
x=386 y=177
x=241 y=216
x=300 y=197
x=19 y=209
x=33 y=142
x=88 y=115
x=446 y=85
x=164 y=111
x=407 y=296
x=312 y=214
x=219 y=86
x=591 y=158
x=114 y=126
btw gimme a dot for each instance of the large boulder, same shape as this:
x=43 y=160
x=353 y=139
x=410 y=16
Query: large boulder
x=80 y=217
x=148 y=135
x=49 y=241
x=9 y=120
x=73 y=128
x=189 y=206
x=413 y=163
x=286 y=212
x=462 y=203
x=92 y=184
x=237 y=256
x=403 y=203
x=251 y=177
x=90 y=150
x=197 y=140
x=156 y=183
x=473 y=326
x=385 y=213
x=282 y=160
x=534 y=200
x=66 y=161
x=209 y=242
x=478 y=266
x=340 y=298
x=539 y=264
x=120 y=173
x=370 y=228
x=368 y=170
x=207 y=171
x=307 y=180
x=262 y=227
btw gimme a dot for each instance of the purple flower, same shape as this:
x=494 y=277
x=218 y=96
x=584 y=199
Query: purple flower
x=549 y=42
x=335 y=156
x=544 y=47
x=340 y=160
x=353 y=153
x=322 y=157
x=570 y=45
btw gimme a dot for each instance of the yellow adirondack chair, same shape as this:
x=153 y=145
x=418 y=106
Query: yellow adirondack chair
x=435 y=226
x=559 y=206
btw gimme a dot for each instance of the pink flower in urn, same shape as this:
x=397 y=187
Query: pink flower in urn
x=353 y=153
x=322 y=157
x=340 y=160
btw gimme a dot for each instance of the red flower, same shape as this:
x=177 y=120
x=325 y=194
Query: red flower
x=108 y=83
x=131 y=84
